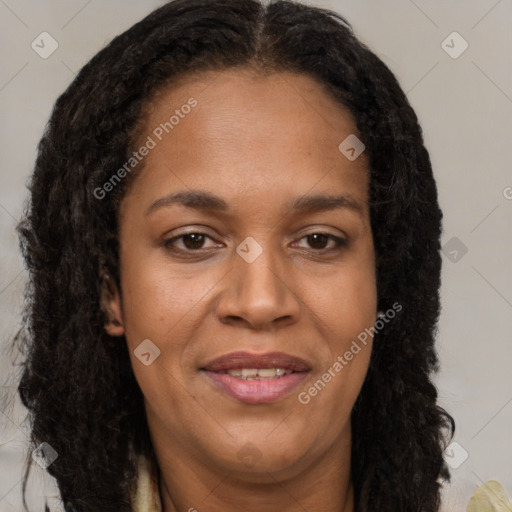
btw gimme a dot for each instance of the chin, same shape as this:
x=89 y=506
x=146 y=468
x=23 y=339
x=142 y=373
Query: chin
x=255 y=460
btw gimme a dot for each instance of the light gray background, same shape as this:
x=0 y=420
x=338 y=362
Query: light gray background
x=465 y=108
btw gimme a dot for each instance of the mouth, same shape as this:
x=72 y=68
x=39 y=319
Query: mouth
x=256 y=378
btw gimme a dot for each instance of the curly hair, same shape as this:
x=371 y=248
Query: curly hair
x=77 y=381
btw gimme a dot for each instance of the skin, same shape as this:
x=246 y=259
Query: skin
x=258 y=142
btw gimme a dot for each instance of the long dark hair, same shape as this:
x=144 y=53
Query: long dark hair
x=77 y=382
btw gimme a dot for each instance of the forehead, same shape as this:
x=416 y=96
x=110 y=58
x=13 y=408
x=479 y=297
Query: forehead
x=248 y=132
x=242 y=99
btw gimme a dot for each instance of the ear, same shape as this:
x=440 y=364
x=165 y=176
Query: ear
x=111 y=305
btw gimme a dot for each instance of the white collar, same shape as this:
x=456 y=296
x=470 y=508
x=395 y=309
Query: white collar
x=146 y=494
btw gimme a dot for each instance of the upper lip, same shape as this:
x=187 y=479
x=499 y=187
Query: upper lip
x=239 y=360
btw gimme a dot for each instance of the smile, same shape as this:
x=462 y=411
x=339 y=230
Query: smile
x=256 y=390
x=256 y=378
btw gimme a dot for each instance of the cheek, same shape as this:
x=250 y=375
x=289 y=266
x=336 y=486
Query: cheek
x=158 y=299
x=346 y=301
x=347 y=322
x=345 y=309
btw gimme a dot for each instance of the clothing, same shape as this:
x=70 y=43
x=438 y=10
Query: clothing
x=490 y=497
x=146 y=496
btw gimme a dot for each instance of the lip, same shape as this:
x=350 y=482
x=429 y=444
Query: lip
x=238 y=360
x=256 y=391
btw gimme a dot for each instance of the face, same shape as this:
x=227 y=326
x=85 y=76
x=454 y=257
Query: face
x=245 y=243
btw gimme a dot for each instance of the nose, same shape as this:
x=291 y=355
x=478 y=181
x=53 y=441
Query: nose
x=259 y=295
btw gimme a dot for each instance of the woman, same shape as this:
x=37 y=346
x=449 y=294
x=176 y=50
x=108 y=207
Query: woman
x=233 y=243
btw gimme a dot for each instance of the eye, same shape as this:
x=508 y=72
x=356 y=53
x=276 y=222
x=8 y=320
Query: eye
x=318 y=240
x=192 y=241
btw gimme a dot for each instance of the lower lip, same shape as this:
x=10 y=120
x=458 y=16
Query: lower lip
x=256 y=391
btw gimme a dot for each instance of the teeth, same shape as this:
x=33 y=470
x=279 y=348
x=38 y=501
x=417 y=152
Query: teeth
x=271 y=372
x=258 y=373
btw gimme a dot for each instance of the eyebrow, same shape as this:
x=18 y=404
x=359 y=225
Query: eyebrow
x=206 y=201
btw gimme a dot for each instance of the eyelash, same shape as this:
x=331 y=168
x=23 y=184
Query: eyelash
x=340 y=242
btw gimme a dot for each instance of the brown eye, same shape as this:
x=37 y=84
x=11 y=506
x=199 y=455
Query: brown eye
x=319 y=241
x=192 y=241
